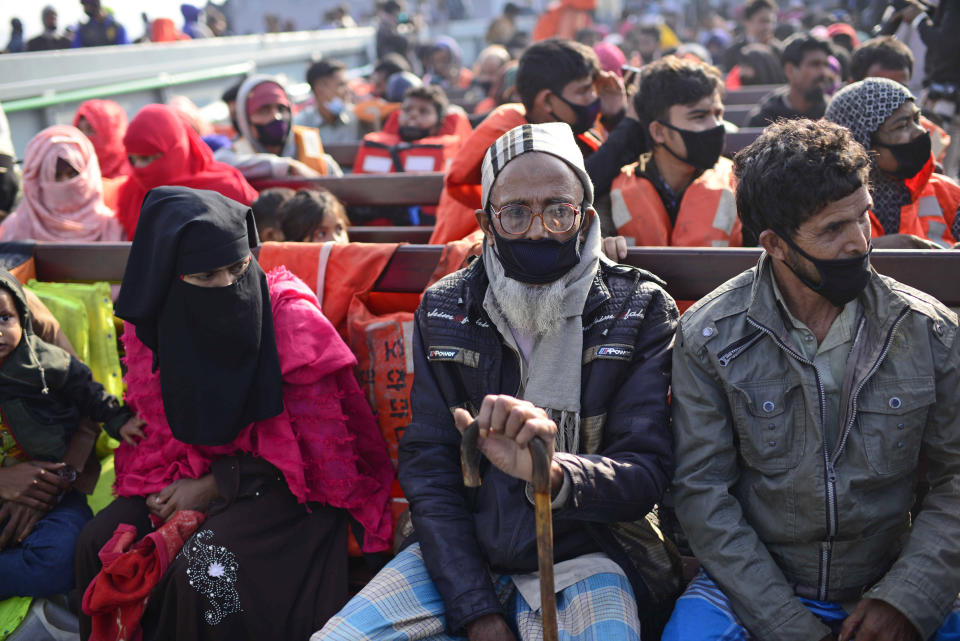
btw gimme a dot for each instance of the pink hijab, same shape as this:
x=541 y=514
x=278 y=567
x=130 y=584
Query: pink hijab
x=71 y=210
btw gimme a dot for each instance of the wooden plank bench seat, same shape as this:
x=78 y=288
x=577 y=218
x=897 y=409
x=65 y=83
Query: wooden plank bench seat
x=370 y=189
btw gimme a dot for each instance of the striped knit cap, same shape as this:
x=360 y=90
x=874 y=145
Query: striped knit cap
x=555 y=138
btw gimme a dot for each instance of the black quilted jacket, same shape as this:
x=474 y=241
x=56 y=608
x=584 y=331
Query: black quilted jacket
x=626 y=461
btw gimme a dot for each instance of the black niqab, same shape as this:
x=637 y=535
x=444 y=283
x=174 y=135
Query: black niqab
x=219 y=369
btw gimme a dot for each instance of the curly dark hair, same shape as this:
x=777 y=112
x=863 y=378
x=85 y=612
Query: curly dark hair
x=431 y=93
x=673 y=81
x=552 y=64
x=886 y=51
x=795 y=169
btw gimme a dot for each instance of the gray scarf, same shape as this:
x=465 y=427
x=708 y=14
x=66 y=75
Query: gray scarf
x=553 y=380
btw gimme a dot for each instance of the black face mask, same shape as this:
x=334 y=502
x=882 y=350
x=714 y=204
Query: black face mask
x=217 y=346
x=537 y=261
x=910 y=156
x=409 y=134
x=273 y=134
x=703 y=147
x=841 y=279
x=586 y=115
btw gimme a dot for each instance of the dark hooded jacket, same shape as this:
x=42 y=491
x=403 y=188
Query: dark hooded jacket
x=45 y=392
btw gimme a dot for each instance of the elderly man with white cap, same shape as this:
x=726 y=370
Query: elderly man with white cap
x=541 y=337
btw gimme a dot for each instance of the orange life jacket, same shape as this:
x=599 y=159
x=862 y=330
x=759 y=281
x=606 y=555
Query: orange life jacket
x=934 y=199
x=707 y=216
x=563 y=19
x=939 y=139
x=310 y=148
x=384 y=153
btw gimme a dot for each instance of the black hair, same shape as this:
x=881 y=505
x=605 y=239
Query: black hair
x=753 y=7
x=799 y=45
x=793 y=170
x=230 y=95
x=552 y=64
x=266 y=206
x=323 y=69
x=303 y=212
x=886 y=51
x=431 y=93
x=390 y=64
x=673 y=81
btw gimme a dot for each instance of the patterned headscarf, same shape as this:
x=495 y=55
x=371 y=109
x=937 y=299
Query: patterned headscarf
x=862 y=107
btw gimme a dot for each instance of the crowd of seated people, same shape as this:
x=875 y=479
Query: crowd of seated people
x=250 y=455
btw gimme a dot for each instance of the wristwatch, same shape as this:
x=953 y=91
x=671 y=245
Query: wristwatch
x=67 y=473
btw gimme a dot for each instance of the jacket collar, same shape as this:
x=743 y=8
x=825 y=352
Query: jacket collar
x=476 y=282
x=881 y=305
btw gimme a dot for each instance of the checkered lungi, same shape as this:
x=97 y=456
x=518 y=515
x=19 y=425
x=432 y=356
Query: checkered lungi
x=703 y=613
x=402 y=604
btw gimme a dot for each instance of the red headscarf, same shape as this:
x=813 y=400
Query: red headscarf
x=109 y=122
x=186 y=161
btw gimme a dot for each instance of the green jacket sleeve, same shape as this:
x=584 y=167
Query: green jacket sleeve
x=923 y=583
x=726 y=545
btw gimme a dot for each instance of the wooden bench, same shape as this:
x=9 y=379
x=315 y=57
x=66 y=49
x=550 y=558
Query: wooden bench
x=738 y=114
x=739 y=139
x=690 y=273
x=370 y=189
x=345 y=153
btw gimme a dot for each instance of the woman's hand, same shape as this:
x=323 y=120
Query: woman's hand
x=130 y=431
x=34 y=484
x=20 y=520
x=185 y=494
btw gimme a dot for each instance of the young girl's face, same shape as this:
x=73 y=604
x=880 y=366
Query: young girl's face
x=330 y=229
x=10 y=330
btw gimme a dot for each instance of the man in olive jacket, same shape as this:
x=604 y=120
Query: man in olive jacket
x=805 y=393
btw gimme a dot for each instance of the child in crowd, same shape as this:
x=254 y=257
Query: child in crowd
x=311 y=216
x=422 y=113
x=266 y=213
x=45 y=393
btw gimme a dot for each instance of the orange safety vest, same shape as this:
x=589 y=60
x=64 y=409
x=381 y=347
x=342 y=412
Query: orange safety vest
x=310 y=148
x=931 y=210
x=707 y=216
x=384 y=153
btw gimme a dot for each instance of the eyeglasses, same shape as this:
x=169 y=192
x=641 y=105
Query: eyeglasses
x=516 y=219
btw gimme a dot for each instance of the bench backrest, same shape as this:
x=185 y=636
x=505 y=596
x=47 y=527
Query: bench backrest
x=748 y=95
x=370 y=189
x=690 y=273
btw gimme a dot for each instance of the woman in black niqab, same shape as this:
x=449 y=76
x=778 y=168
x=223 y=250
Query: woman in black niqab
x=215 y=346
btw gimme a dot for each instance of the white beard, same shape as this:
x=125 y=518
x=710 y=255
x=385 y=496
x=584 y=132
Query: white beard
x=531 y=308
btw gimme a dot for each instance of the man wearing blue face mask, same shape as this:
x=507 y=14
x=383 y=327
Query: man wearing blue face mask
x=331 y=114
x=541 y=337
x=681 y=192
x=805 y=393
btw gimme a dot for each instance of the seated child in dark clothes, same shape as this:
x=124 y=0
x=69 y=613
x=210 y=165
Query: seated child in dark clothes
x=313 y=216
x=266 y=213
x=45 y=395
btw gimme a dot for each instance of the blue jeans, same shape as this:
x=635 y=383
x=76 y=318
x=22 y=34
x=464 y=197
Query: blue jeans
x=703 y=613
x=42 y=565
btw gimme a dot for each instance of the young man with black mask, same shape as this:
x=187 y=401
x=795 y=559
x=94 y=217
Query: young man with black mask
x=913 y=206
x=681 y=192
x=540 y=337
x=806 y=392
x=805 y=65
x=558 y=81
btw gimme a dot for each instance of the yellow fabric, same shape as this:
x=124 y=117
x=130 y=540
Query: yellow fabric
x=12 y=612
x=71 y=313
x=102 y=494
x=103 y=358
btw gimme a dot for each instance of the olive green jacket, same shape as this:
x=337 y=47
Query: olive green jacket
x=770 y=509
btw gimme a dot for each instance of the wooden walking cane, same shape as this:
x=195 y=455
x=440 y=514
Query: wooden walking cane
x=469 y=450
